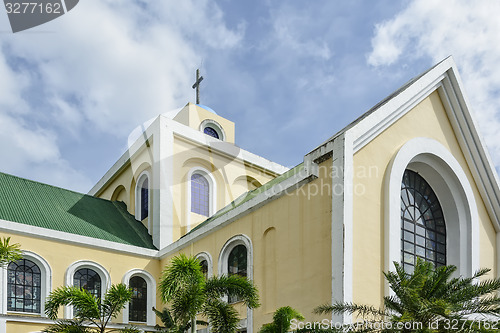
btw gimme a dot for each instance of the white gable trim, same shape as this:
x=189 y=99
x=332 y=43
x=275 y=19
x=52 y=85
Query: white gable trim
x=443 y=78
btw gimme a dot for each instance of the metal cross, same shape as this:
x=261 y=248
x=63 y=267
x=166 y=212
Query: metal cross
x=196 y=85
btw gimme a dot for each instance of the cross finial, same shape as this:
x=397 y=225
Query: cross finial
x=196 y=85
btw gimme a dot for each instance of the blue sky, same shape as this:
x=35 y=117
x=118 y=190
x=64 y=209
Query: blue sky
x=288 y=73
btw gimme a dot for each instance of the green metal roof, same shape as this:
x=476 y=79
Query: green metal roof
x=250 y=195
x=41 y=205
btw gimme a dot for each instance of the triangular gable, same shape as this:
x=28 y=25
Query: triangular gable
x=445 y=79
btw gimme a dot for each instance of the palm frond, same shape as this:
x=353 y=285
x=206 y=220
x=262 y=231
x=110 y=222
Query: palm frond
x=86 y=306
x=182 y=271
x=67 y=326
x=223 y=317
x=351 y=308
x=9 y=252
x=233 y=285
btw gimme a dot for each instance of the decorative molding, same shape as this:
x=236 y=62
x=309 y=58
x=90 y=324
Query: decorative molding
x=138 y=197
x=151 y=297
x=212 y=194
x=70 y=272
x=214 y=125
x=206 y=256
x=222 y=265
x=46 y=281
x=65 y=237
x=445 y=175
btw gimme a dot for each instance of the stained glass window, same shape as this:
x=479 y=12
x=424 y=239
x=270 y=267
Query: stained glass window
x=423 y=230
x=137 y=310
x=237 y=264
x=89 y=280
x=144 y=199
x=210 y=131
x=24 y=286
x=200 y=195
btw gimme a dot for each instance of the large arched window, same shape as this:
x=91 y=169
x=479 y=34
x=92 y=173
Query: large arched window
x=89 y=280
x=138 y=306
x=423 y=229
x=200 y=194
x=24 y=286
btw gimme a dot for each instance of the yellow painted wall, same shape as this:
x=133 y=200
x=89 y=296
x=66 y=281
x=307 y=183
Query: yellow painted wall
x=427 y=119
x=224 y=168
x=20 y=327
x=291 y=237
x=61 y=255
x=192 y=115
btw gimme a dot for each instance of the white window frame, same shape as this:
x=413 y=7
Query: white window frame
x=216 y=126
x=151 y=297
x=212 y=193
x=206 y=256
x=138 y=196
x=222 y=266
x=70 y=273
x=444 y=174
x=46 y=283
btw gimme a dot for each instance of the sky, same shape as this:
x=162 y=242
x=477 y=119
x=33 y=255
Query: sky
x=290 y=74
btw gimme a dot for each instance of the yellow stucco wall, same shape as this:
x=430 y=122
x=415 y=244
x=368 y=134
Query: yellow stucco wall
x=61 y=255
x=225 y=169
x=192 y=115
x=291 y=238
x=427 y=119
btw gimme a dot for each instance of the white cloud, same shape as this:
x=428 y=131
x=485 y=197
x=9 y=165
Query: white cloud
x=106 y=65
x=468 y=31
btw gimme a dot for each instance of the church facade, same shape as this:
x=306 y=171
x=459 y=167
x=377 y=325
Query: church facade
x=410 y=178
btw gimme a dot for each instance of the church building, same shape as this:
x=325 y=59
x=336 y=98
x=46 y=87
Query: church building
x=410 y=178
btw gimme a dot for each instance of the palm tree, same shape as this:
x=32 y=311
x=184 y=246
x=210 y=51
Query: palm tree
x=184 y=287
x=9 y=252
x=88 y=309
x=430 y=300
x=281 y=320
x=170 y=325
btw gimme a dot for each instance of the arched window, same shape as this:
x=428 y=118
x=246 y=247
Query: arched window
x=143 y=299
x=237 y=265
x=24 y=286
x=212 y=128
x=138 y=307
x=423 y=229
x=144 y=199
x=89 y=280
x=204 y=268
x=200 y=195
x=142 y=196
x=236 y=257
x=210 y=131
